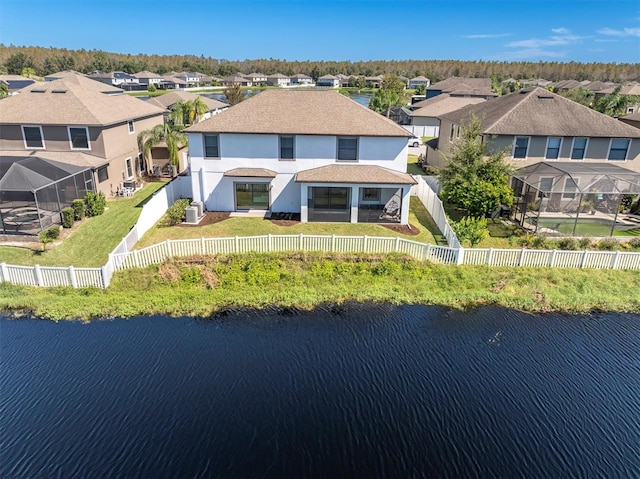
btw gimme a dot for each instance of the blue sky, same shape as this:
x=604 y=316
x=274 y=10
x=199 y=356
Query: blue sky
x=502 y=30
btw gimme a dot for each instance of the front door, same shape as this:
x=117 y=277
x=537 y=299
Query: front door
x=252 y=196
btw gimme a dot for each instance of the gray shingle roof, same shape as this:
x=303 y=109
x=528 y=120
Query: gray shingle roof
x=539 y=112
x=169 y=99
x=441 y=104
x=251 y=173
x=368 y=174
x=300 y=112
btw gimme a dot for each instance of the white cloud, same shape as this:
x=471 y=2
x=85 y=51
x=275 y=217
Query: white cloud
x=552 y=41
x=528 y=54
x=560 y=31
x=486 y=35
x=625 y=32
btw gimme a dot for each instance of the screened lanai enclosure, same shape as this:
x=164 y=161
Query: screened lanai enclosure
x=34 y=190
x=576 y=199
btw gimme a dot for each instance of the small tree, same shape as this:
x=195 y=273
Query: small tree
x=421 y=89
x=96 y=203
x=471 y=231
x=474 y=177
x=79 y=208
x=151 y=88
x=49 y=236
x=67 y=217
x=233 y=94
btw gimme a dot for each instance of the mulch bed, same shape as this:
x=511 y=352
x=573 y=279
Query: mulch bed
x=210 y=218
x=285 y=219
x=402 y=229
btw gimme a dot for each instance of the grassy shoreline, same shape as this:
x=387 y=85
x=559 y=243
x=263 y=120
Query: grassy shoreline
x=202 y=286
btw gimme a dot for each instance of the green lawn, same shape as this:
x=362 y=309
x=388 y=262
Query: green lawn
x=412 y=165
x=418 y=217
x=586 y=227
x=89 y=243
x=499 y=233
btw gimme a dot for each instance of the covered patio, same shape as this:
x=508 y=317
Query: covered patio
x=576 y=199
x=355 y=194
x=34 y=190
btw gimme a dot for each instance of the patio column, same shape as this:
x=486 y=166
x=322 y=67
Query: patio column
x=304 y=203
x=404 y=209
x=354 y=203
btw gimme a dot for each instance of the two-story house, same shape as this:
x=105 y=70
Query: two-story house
x=73 y=122
x=278 y=80
x=417 y=81
x=255 y=78
x=301 y=79
x=148 y=78
x=316 y=153
x=537 y=125
x=328 y=81
x=459 y=86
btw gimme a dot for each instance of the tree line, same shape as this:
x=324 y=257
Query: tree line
x=44 y=61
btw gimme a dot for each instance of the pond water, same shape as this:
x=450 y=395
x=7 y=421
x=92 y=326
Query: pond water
x=349 y=391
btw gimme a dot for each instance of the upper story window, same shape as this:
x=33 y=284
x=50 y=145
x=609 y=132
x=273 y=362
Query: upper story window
x=347 y=148
x=553 y=147
x=79 y=138
x=287 y=148
x=520 y=147
x=33 y=137
x=132 y=128
x=579 y=148
x=211 y=146
x=618 y=149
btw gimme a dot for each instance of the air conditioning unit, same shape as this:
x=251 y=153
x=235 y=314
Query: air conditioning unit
x=157 y=170
x=199 y=206
x=192 y=215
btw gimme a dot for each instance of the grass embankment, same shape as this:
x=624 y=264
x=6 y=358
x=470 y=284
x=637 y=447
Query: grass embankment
x=89 y=243
x=418 y=217
x=206 y=285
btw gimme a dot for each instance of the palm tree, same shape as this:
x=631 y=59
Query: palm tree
x=197 y=108
x=174 y=139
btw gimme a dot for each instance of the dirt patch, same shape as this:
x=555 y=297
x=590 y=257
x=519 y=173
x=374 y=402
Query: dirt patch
x=402 y=229
x=285 y=219
x=211 y=217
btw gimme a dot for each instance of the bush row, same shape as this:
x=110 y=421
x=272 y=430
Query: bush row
x=530 y=240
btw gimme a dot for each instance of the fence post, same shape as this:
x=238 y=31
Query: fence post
x=490 y=256
x=72 y=277
x=397 y=246
x=237 y=242
x=169 y=249
x=203 y=246
x=614 y=263
x=300 y=242
x=552 y=259
x=427 y=255
x=103 y=273
x=136 y=260
x=365 y=244
x=333 y=243
x=38 y=273
x=521 y=257
x=4 y=272
x=270 y=243
x=584 y=259
x=460 y=258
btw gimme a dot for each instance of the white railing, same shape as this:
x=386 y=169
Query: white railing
x=432 y=203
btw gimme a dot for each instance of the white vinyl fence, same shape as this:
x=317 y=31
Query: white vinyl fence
x=124 y=256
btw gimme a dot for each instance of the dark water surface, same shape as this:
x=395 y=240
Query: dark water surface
x=362 y=391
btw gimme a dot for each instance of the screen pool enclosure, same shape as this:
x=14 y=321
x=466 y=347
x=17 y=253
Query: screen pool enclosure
x=34 y=190
x=576 y=199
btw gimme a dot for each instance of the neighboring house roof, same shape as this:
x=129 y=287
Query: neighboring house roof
x=630 y=89
x=62 y=74
x=84 y=81
x=169 y=99
x=146 y=74
x=301 y=76
x=567 y=84
x=328 y=77
x=251 y=173
x=254 y=75
x=354 y=174
x=454 y=83
x=236 y=79
x=441 y=104
x=419 y=78
x=300 y=112
x=278 y=75
x=65 y=102
x=538 y=112
x=16 y=82
x=633 y=116
x=77 y=158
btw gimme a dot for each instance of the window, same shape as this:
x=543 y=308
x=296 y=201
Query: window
x=452 y=132
x=545 y=187
x=371 y=194
x=79 y=138
x=129 y=168
x=211 y=148
x=348 y=149
x=132 y=128
x=618 y=149
x=521 y=147
x=32 y=137
x=570 y=188
x=286 y=148
x=103 y=174
x=579 y=148
x=553 y=147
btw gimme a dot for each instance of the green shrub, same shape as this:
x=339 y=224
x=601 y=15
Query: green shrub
x=470 y=231
x=151 y=88
x=635 y=243
x=96 y=203
x=431 y=170
x=540 y=242
x=567 y=244
x=608 y=244
x=79 y=208
x=175 y=213
x=67 y=215
x=49 y=236
x=585 y=243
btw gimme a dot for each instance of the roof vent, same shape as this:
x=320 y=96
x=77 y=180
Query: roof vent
x=58 y=91
x=38 y=91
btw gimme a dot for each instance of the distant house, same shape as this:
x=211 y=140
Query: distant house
x=301 y=79
x=148 y=78
x=632 y=119
x=72 y=75
x=236 y=80
x=191 y=79
x=632 y=89
x=278 y=80
x=398 y=114
x=315 y=153
x=374 y=81
x=344 y=79
x=16 y=82
x=256 y=78
x=328 y=81
x=458 y=86
x=73 y=122
x=426 y=113
x=419 y=80
x=537 y=125
x=119 y=79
